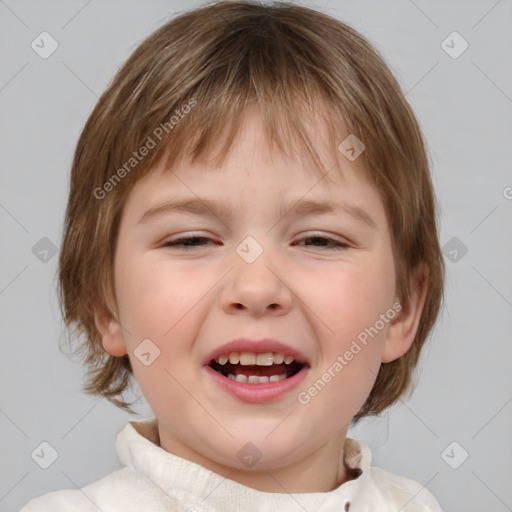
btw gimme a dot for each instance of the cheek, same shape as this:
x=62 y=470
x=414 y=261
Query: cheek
x=351 y=303
x=351 y=342
x=352 y=297
x=157 y=303
x=160 y=302
x=148 y=289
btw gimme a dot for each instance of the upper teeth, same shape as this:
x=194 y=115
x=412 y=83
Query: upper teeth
x=248 y=358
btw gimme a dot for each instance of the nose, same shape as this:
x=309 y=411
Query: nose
x=257 y=289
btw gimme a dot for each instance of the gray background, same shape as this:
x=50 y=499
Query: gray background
x=464 y=105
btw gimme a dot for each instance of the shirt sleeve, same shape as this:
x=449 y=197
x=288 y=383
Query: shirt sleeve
x=61 y=501
x=404 y=494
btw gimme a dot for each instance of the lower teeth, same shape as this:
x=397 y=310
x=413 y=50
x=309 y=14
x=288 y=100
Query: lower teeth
x=256 y=379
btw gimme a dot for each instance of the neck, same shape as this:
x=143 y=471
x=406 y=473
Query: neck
x=321 y=471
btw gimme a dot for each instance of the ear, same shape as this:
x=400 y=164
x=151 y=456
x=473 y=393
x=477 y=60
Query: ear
x=110 y=331
x=404 y=326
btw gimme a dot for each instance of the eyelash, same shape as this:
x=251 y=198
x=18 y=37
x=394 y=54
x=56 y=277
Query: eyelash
x=178 y=243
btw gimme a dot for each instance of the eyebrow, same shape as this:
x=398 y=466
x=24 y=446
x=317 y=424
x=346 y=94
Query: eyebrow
x=212 y=207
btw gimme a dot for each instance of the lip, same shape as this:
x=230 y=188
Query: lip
x=257 y=393
x=255 y=346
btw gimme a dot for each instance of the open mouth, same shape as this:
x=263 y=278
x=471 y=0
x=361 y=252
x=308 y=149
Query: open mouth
x=256 y=368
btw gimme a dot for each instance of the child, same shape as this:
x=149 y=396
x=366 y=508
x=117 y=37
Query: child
x=250 y=233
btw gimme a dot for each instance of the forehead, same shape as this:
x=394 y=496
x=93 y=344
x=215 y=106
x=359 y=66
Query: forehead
x=313 y=144
x=253 y=172
x=261 y=144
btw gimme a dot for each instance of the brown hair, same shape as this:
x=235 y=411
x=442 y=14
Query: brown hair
x=218 y=60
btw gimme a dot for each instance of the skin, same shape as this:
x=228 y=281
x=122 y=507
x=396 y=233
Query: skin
x=301 y=291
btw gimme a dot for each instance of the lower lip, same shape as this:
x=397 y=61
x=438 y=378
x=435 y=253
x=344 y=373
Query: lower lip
x=257 y=393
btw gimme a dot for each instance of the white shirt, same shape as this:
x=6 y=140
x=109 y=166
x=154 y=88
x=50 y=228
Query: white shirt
x=154 y=480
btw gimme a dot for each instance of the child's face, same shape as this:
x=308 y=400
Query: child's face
x=302 y=290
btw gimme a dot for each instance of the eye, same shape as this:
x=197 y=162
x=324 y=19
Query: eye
x=186 y=241
x=195 y=241
x=336 y=244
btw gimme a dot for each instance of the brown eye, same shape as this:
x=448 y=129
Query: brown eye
x=322 y=242
x=188 y=241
